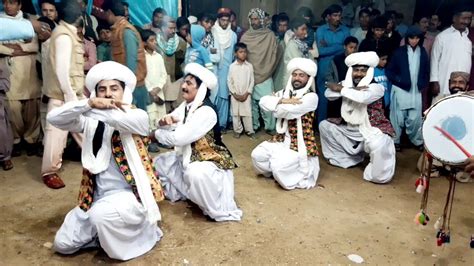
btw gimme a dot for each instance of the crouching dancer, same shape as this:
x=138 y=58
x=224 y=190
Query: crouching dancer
x=200 y=168
x=365 y=129
x=118 y=197
x=292 y=155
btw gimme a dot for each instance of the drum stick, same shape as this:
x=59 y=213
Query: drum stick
x=453 y=140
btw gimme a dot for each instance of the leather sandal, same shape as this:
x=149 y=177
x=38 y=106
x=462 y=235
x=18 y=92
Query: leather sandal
x=53 y=181
x=7 y=165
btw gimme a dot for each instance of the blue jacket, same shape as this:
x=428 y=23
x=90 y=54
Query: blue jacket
x=398 y=71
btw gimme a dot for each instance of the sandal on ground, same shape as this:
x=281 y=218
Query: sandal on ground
x=7 y=165
x=53 y=181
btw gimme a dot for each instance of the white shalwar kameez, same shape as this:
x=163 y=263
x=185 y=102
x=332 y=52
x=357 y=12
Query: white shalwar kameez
x=346 y=145
x=291 y=169
x=202 y=182
x=276 y=158
x=116 y=220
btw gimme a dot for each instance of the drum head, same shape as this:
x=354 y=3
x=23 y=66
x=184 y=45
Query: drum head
x=456 y=116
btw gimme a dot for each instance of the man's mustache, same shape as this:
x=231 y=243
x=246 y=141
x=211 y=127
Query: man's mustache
x=456 y=89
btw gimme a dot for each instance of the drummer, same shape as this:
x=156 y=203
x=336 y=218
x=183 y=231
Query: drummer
x=458 y=83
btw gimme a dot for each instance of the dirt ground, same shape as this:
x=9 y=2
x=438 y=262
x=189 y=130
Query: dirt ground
x=316 y=226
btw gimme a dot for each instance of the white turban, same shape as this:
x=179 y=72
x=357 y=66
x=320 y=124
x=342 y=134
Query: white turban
x=100 y=162
x=304 y=64
x=110 y=70
x=209 y=81
x=369 y=59
x=355 y=113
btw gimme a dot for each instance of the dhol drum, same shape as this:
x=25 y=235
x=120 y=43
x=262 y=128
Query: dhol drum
x=454 y=114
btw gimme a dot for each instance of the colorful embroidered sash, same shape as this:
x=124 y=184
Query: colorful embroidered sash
x=86 y=191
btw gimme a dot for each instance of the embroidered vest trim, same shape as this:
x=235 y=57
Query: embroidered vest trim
x=308 y=135
x=377 y=118
x=206 y=149
x=86 y=191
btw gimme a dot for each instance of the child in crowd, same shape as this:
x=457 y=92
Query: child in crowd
x=241 y=82
x=408 y=71
x=375 y=36
x=196 y=53
x=103 y=49
x=381 y=78
x=154 y=82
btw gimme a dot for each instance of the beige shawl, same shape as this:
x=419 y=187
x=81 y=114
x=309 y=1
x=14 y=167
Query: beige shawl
x=262 y=52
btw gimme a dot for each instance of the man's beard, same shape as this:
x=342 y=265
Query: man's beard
x=455 y=90
x=297 y=85
x=356 y=81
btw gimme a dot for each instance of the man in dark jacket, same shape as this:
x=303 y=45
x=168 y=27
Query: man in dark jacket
x=408 y=71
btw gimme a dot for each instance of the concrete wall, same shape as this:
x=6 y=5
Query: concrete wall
x=242 y=7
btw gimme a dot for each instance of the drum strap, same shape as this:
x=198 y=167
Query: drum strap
x=422 y=186
x=448 y=207
x=425 y=179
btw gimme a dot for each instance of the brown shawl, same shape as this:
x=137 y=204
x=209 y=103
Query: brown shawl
x=262 y=52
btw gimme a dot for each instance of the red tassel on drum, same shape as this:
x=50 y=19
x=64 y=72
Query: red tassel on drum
x=421 y=184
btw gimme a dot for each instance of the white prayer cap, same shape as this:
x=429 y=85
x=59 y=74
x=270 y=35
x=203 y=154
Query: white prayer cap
x=110 y=70
x=204 y=74
x=369 y=59
x=304 y=64
x=209 y=81
x=462 y=74
x=192 y=19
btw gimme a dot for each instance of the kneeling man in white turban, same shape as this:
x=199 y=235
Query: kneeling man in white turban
x=200 y=168
x=118 y=197
x=364 y=128
x=291 y=156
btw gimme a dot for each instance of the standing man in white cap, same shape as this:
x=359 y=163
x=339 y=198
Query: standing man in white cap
x=292 y=155
x=200 y=168
x=365 y=128
x=119 y=191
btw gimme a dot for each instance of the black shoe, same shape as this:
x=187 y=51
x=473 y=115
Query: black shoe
x=31 y=149
x=40 y=150
x=16 y=152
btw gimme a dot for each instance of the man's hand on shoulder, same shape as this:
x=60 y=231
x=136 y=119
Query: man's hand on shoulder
x=42 y=29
